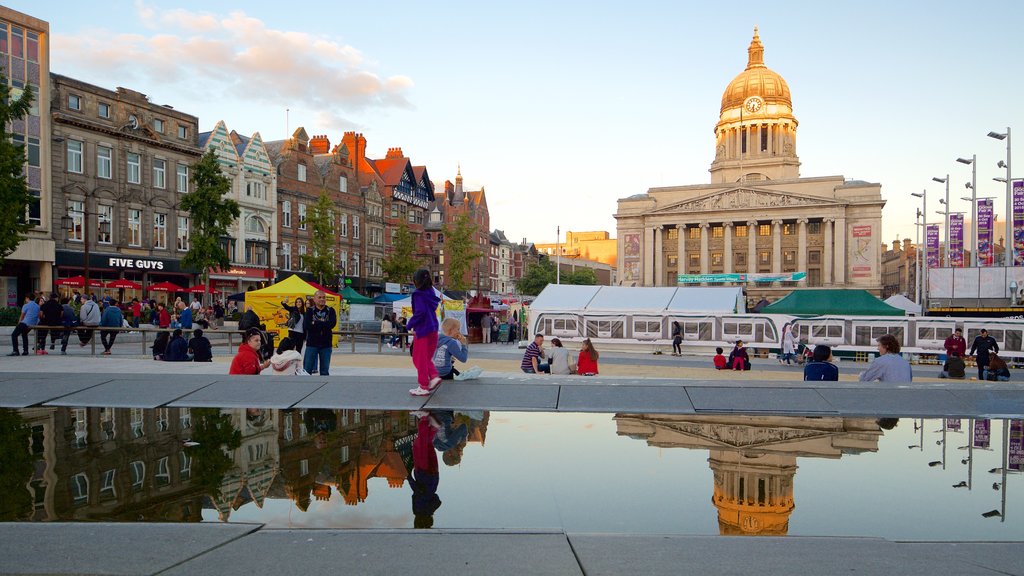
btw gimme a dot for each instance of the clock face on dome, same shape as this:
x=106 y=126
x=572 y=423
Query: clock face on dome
x=753 y=104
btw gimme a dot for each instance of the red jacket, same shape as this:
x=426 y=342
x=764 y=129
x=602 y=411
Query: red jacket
x=246 y=362
x=955 y=346
x=585 y=365
x=165 y=318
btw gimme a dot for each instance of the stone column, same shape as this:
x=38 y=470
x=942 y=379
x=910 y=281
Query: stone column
x=648 y=262
x=801 y=253
x=682 y=249
x=776 y=246
x=727 y=228
x=659 y=256
x=826 y=254
x=705 y=258
x=751 y=246
x=840 y=260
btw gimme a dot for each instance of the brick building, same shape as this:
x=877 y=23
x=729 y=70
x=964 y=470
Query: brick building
x=444 y=211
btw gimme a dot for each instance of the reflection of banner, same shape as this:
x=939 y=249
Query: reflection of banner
x=956 y=240
x=985 y=217
x=953 y=424
x=1016 y=455
x=1018 y=222
x=982 y=432
x=753 y=277
x=932 y=245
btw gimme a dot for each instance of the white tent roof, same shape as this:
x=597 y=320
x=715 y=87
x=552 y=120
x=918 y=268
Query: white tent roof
x=903 y=303
x=565 y=298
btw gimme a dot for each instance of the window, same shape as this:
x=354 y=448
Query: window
x=163 y=419
x=787 y=229
x=741 y=231
x=343 y=223
x=355 y=226
x=158 y=125
x=355 y=266
x=183 y=132
x=740 y=258
x=814 y=228
x=693 y=232
x=76 y=210
x=80 y=488
x=163 y=472
x=286 y=249
x=343 y=184
x=286 y=214
x=256 y=252
x=182 y=233
x=138 y=469
x=764 y=230
x=182 y=178
x=105 y=219
x=74 y=102
x=185 y=418
x=34 y=215
x=718 y=232
x=256 y=190
x=159 y=173
x=80 y=426
x=412 y=216
x=74 y=156
x=184 y=466
x=159 y=230
x=134 y=227
x=814 y=257
x=254 y=225
x=716 y=258
x=302 y=216
x=32 y=52
x=789 y=257
x=228 y=246
x=766 y=257
x=764 y=138
x=694 y=262
x=302 y=172
x=134 y=168
x=103 y=110
x=107 y=487
x=302 y=256
x=743 y=133
x=343 y=259
x=103 y=158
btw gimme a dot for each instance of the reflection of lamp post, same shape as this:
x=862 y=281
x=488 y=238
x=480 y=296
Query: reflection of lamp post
x=68 y=222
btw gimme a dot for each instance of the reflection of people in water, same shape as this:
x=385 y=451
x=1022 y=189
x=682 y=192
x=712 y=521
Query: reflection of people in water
x=424 y=477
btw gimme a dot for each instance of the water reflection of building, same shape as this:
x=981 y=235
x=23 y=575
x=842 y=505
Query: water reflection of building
x=255 y=461
x=754 y=458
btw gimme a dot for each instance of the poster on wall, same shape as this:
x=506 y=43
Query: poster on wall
x=630 y=258
x=932 y=245
x=631 y=272
x=1018 y=222
x=985 y=216
x=631 y=246
x=956 y=240
x=863 y=258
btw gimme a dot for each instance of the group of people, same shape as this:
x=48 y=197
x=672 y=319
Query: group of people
x=395 y=330
x=174 y=347
x=558 y=360
x=985 y=350
x=310 y=323
x=490 y=328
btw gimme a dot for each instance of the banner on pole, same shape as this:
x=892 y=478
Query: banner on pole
x=956 y=240
x=982 y=432
x=986 y=255
x=1015 y=458
x=932 y=245
x=1018 y=222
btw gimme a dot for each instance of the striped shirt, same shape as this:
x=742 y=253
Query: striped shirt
x=532 y=351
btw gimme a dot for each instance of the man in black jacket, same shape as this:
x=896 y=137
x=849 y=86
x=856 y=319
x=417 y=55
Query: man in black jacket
x=318 y=324
x=983 y=345
x=50 y=314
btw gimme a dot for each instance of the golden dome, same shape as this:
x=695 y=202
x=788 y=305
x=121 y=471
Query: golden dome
x=756 y=80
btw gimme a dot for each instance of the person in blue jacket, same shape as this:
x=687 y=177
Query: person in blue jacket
x=450 y=344
x=821 y=368
x=112 y=318
x=177 y=348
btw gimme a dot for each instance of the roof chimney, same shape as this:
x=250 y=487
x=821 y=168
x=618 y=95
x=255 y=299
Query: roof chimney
x=395 y=153
x=319 y=144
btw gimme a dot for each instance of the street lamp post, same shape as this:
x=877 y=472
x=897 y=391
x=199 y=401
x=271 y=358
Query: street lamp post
x=68 y=222
x=1008 y=259
x=923 y=277
x=973 y=162
x=558 y=255
x=946 y=204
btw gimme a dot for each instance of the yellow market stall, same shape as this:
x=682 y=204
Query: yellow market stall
x=267 y=302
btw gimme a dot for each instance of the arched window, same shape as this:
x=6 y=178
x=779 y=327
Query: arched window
x=255 y=225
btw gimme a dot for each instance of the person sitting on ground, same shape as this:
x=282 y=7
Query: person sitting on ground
x=953 y=367
x=738 y=358
x=560 y=361
x=200 y=348
x=248 y=320
x=450 y=344
x=586 y=363
x=997 y=369
x=287 y=361
x=719 y=359
x=177 y=348
x=247 y=360
x=160 y=345
x=889 y=366
x=821 y=367
x=533 y=357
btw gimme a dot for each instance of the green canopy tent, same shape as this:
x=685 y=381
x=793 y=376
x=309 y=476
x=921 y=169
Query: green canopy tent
x=831 y=302
x=353 y=297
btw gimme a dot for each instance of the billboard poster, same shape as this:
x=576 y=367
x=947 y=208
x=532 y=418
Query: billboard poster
x=1018 y=222
x=932 y=245
x=982 y=432
x=956 y=240
x=1016 y=455
x=864 y=257
x=986 y=255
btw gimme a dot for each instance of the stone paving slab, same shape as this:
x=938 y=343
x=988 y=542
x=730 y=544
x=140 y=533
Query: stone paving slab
x=368 y=393
x=895 y=402
x=134 y=392
x=642 y=399
x=104 y=548
x=750 y=400
x=1002 y=557
x=423 y=553
x=251 y=392
x=23 y=392
x=992 y=403
x=478 y=396
x=684 y=555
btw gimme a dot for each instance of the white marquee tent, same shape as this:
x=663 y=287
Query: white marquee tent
x=618 y=299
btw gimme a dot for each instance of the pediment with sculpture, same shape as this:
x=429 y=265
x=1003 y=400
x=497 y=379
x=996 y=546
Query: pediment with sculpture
x=744 y=199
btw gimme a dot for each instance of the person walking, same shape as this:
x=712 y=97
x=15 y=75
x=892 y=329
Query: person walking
x=89 y=317
x=677 y=339
x=296 y=318
x=29 y=318
x=112 y=318
x=955 y=344
x=318 y=326
x=423 y=325
x=136 y=312
x=983 y=345
x=387 y=329
x=200 y=348
x=586 y=364
x=788 y=345
x=485 y=328
x=560 y=361
x=247 y=361
x=889 y=366
x=821 y=367
x=51 y=315
x=69 y=318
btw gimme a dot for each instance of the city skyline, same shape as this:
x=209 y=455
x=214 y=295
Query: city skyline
x=594 y=104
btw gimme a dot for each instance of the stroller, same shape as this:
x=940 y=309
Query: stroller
x=267 y=347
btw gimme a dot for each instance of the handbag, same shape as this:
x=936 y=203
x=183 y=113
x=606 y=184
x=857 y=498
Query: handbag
x=293 y=321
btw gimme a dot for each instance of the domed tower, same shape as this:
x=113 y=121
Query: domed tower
x=753 y=492
x=755 y=138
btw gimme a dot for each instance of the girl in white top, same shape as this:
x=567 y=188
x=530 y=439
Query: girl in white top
x=287 y=362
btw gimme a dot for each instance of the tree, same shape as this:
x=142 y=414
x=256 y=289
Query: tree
x=211 y=213
x=322 y=261
x=459 y=251
x=402 y=262
x=538 y=275
x=581 y=277
x=214 y=433
x=16 y=472
x=14 y=196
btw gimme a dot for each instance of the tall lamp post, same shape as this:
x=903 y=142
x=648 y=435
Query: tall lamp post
x=1008 y=249
x=973 y=186
x=558 y=255
x=923 y=277
x=946 y=204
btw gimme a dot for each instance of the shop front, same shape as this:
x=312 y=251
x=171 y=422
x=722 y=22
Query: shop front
x=241 y=278
x=109 y=268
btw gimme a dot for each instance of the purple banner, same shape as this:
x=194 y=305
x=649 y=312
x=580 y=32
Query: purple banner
x=956 y=240
x=1016 y=455
x=953 y=424
x=1018 y=222
x=982 y=432
x=986 y=256
x=931 y=243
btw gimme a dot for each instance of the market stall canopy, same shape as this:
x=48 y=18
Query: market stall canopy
x=78 y=282
x=681 y=300
x=353 y=297
x=839 y=302
x=319 y=287
x=165 y=287
x=903 y=303
x=389 y=298
x=124 y=285
x=266 y=302
x=200 y=289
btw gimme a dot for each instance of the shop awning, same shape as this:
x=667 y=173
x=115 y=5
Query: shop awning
x=124 y=285
x=78 y=282
x=165 y=287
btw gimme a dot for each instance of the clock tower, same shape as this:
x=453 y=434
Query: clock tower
x=755 y=138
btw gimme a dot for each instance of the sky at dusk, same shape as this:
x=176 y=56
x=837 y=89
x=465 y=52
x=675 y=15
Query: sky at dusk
x=561 y=108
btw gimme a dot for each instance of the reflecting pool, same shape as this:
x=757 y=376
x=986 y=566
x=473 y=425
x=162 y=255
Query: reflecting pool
x=933 y=479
